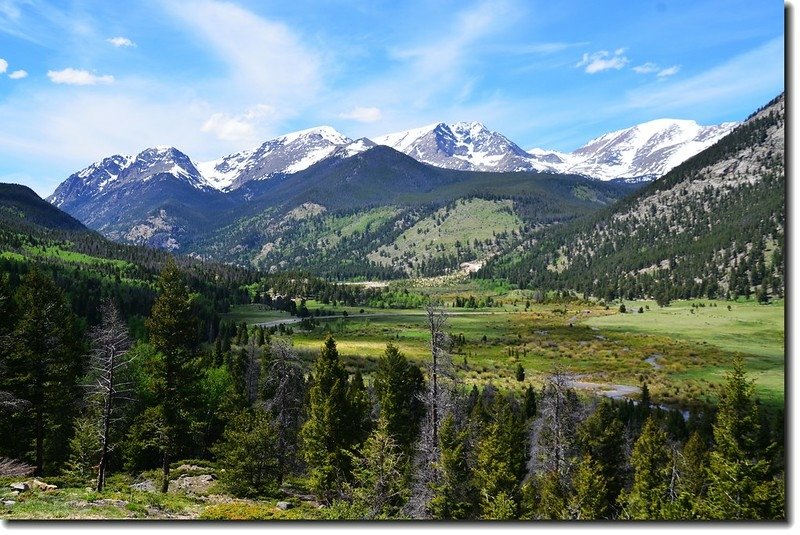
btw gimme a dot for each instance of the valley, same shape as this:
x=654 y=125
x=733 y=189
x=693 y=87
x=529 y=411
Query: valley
x=682 y=352
x=323 y=328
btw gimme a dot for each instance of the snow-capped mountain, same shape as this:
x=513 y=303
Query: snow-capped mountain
x=462 y=146
x=283 y=155
x=639 y=153
x=642 y=152
x=119 y=171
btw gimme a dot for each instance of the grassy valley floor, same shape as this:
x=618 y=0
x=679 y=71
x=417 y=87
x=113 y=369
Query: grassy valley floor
x=682 y=351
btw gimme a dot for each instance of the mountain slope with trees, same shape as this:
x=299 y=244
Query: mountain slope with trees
x=298 y=220
x=713 y=226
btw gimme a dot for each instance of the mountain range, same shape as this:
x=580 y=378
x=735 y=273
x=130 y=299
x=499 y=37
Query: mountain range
x=643 y=152
x=316 y=197
x=359 y=209
x=342 y=211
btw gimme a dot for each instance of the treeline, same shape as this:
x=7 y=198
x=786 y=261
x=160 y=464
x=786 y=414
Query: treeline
x=411 y=443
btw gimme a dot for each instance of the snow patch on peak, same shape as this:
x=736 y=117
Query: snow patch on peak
x=468 y=146
x=286 y=154
x=403 y=140
x=644 y=151
x=326 y=133
x=472 y=129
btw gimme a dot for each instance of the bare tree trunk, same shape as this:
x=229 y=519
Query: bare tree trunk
x=284 y=390
x=441 y=396
x=101 y=467
x=39 y=422
x=437 y=320
x=165 y=469
x=553 y=432
x=110 y=344
x=253 y=371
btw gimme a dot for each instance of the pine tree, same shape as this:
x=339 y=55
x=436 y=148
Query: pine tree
x=378 y=489
x=652 y=463
x=453 y=495
x=398 y=385
x=42 y=366
x=530 y=402
x=549 y=501
x=325 y=436
x=740 y=485
x=602 y=437
x=248 y=453
x=173 y=329
x=83 y=447
x=589 y=497
x=692 y=482
x=501 y=462
x=358 y=404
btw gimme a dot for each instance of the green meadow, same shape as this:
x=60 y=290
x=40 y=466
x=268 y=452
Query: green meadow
x=682 y=355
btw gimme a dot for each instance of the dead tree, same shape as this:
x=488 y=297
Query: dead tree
x=252 y=370
x=284 y=392
x=14 y=468
x=440 y=360
x=553 y=433
x=108 y=361
x=442 y=396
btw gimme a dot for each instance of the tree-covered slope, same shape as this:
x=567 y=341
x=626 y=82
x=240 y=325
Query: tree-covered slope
x=20 y=206
x=90 y=268
x=712 y=226
x=345 y=220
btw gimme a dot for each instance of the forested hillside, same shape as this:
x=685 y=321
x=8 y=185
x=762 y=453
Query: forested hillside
x=713 y=226
x=20 y=206
x=36 y=236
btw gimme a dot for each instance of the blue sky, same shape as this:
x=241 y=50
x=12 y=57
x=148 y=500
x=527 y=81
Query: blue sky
x=83 y=80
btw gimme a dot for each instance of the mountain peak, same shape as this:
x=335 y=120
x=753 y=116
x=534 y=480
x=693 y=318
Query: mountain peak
x=324 y=132
x=467 y=146
x=285 y=154
x=644 y=151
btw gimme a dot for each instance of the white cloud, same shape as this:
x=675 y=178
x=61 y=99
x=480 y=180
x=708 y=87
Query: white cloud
x=726 y=84
x=646 y=68
x=242 y=127
x=669 y=71
x=69 y=130
x=9 y=10
x=649 y=67
x=446 y=55
x=603 y=60
x=3 y=65
x=363 y=114
x=430 y=74
x=266 y=60
x=72 y=76
x=121 y=42
x=539 y=48
x=18 y=75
